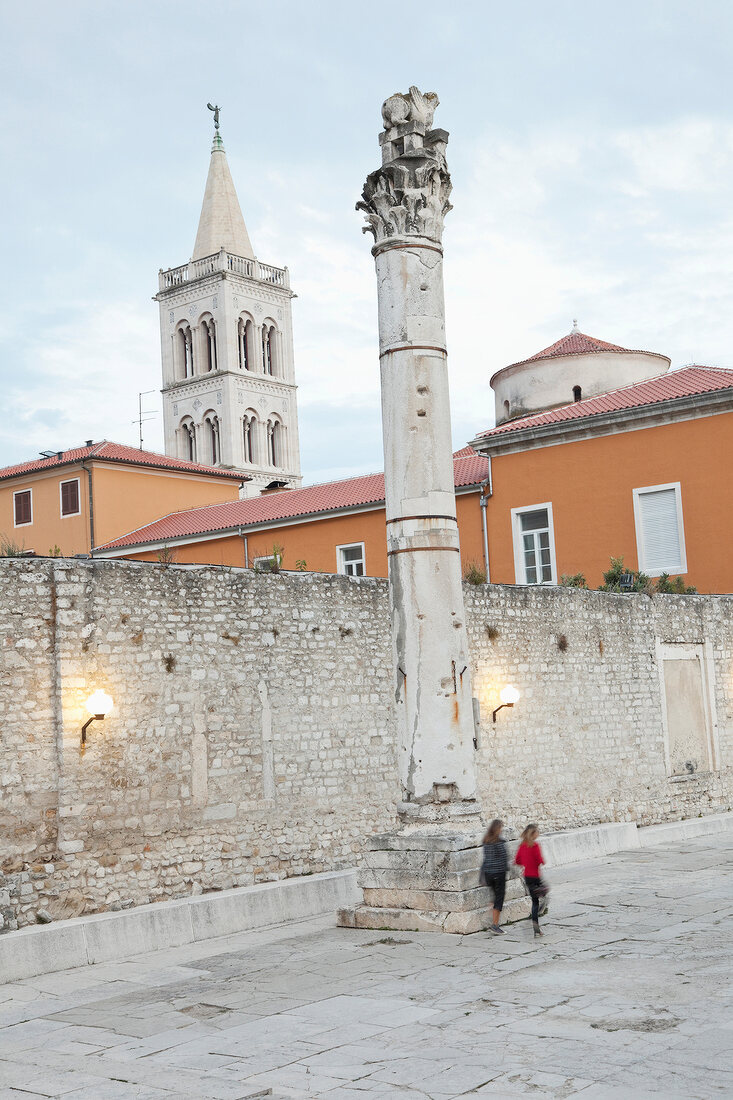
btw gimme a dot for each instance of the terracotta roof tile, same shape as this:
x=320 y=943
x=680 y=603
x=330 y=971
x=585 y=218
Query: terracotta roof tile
x=114 y=452
x=470 y=468
x=576 y=343
x=666 y=387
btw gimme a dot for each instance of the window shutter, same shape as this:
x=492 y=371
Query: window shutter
x=660 y=535
x=23 y=507
x=69 y=497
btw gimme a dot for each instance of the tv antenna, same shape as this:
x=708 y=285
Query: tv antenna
x=143 y=414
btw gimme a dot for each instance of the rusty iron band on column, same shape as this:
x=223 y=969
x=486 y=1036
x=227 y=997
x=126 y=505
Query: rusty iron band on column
x=419 y=549
x=413 y=347
x=399 y=519
x=380 y=248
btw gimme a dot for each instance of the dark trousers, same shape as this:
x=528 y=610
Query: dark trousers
x=497 y=883
x=534 y=886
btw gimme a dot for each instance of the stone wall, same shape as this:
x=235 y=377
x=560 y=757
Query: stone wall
x=252 y=736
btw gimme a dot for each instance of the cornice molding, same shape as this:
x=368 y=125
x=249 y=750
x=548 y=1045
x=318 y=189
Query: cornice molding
x=260 y=383
x=207 y=284
x=672 y=411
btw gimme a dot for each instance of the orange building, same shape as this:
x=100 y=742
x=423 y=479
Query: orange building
x=337 y=527
x=573 y=474
x=639 y=472
x=70 y=501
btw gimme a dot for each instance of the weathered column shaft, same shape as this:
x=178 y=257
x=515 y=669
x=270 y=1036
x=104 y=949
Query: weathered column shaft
x=405 y=202
x=424 y=875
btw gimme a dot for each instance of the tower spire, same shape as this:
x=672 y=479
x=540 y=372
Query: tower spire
x=221 y=224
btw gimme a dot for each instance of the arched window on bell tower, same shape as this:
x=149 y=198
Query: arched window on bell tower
x=271 y=348
x=245 y=333
x=250 y=430
x=274 y=441
x=212 y=428
x=187 y=439
x=183 y=351
x=208 y=343
x=267 y=342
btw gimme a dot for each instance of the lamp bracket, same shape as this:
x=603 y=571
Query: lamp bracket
x=94 y=718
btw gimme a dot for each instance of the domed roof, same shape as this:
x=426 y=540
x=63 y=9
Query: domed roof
x=574 y=367
x=575 y=343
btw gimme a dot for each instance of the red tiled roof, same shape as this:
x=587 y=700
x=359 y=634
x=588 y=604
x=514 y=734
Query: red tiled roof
x=470 y=468
x=666 y=387
x=114 y=452
x=576 y=343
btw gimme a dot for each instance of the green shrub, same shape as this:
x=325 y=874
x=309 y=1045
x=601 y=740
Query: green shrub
x=665 y=583
x=10 y=549
x=474 y=574
x=573 y=580
x=620 y=579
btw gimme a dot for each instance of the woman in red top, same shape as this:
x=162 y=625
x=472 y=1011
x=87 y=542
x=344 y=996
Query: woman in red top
x=529 y=857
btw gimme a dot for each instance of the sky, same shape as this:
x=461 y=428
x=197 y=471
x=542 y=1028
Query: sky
x=591 y=154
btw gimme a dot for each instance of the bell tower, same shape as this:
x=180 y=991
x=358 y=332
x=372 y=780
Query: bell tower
x=229 y=393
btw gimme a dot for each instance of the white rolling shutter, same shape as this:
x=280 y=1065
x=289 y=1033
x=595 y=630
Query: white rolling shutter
x=659 y=536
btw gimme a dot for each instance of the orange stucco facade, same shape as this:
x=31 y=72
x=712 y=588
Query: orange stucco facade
x=315 y=541
x=590 y=485
x=124 y=497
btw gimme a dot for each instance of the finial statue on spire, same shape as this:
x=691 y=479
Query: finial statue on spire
x=575 y=325
x=216 y=114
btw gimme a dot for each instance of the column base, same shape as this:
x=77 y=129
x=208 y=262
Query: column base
x=428 y=881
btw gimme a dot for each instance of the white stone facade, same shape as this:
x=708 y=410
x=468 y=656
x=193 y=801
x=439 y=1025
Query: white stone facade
x=229 y=393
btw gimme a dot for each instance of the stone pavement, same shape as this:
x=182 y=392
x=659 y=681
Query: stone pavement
x=629 y=995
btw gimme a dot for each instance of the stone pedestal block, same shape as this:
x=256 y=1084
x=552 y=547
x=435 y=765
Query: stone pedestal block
x=428 y=882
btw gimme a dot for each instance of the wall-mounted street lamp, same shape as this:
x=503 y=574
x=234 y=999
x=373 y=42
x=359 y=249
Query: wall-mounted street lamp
x=99 y=704
x=509 y=696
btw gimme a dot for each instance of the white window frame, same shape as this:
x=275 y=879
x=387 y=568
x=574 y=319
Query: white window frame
x=62 y=513
x=340 y=563
x=260 y=561
x=638 y=493
x=30 y=521
x=519 y=574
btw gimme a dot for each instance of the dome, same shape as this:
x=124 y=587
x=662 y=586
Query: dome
x=575 y=367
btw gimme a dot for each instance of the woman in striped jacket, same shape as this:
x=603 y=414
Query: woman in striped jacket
x=494 y=869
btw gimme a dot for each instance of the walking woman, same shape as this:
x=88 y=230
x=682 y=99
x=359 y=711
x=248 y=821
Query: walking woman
x=494 y=868
x=529 y=857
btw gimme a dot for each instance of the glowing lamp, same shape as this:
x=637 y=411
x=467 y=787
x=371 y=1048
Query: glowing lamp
x=509 y=696
x=99 y=704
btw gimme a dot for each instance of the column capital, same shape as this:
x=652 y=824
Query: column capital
x=409 y=195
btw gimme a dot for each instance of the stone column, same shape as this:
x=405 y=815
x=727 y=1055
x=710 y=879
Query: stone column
x=425 y=875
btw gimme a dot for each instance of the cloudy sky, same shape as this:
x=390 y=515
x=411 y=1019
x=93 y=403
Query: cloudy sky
x=591 y=153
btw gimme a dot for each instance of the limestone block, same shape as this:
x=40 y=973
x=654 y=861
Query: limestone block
x=399 y=920
x=674 y=831
x=465 y=859
x=268 y=903
x=40 y=950
x=589 y=843
x=416 y=879
x=148 y=928
x=422 y=841
x=452 y=901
